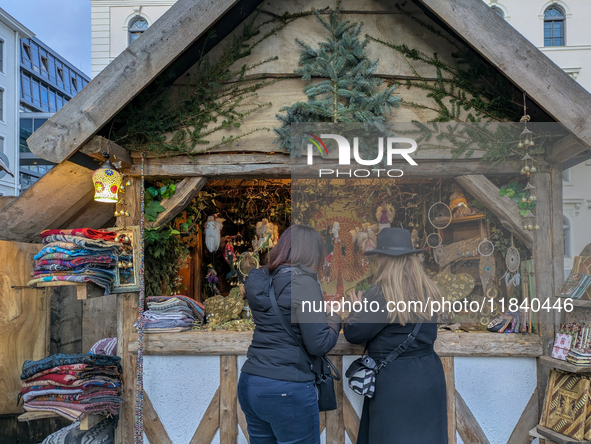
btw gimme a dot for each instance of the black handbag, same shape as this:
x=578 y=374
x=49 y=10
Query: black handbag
x=324 y=370
x=362 y=372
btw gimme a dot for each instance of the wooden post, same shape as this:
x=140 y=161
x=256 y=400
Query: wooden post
x=133 y=203
x=335 y=423
x=198 y=267
x=543 y=269
x=228 y=399
x=127 y=307
x=448 y=368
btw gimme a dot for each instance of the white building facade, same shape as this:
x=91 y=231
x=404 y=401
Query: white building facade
x=11 y=33
x=561 y=30
x=116 y=23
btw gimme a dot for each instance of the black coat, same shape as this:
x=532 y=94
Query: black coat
x=409 y=405
x=273 y=353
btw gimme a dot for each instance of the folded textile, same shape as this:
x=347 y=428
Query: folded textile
x=101 y=433
x=106 y=346
x=167 y=323
x=59 y=369
x=88 y=233
x=99 y=259
x=57 y=378
x=96 y=381
x=70 y=414
x=155 y=316
x=83 y=242
x=110 y=407
x=73 y=251
x=104 y=283
x=166 y=330
x=62 y=391
x=32 y=367
x=197 y=307
x=81 y=399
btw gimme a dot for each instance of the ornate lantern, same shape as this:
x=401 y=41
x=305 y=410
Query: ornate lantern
x=107 y=181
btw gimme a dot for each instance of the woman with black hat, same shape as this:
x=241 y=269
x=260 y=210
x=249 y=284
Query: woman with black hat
x=409 y=403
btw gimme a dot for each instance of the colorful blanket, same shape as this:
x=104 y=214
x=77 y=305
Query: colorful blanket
x=197 y=307
x=88 y=233
x=82 y=242
x=101 y=433
x=32 y=367
x=83 y=260
x=104 y=283
x=106 y=346
x=70 y=414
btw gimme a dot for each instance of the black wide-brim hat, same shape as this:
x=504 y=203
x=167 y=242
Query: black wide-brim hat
x=394 y=242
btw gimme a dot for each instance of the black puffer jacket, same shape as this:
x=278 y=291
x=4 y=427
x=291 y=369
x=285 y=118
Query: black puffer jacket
x=273 y=353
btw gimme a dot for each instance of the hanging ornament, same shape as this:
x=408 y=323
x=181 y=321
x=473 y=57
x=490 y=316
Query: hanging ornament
x=512 y=276
x=440 y=213
x=106 y=182
x=434 y=240
x=486 y=248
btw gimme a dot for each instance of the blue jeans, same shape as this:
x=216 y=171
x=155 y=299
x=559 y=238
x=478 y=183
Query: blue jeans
x=279 y=412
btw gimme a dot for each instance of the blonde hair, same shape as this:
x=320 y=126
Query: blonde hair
x=402 y=278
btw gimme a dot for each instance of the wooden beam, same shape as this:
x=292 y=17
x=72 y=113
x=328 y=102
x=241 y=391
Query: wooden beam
x=543 y=271
x=519 y=60
x=242 y=423
x=237 y=343
x=351 y=420
x=98 y=145
x=501 y=206
x=450 y=384
x=281 y=166
x=153 y=427
x=228 y=399
x=210 y=422
x=335 y=425
x=528 y=420
x=96 y=215
x=50 y=197
x=133 y=203
x=468 y=427
x=125 y=77
x=127 y=306
x=74 y=210
x=565 y=149
x=186 y=190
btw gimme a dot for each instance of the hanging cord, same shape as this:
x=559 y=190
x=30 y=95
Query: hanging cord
x=139 y=387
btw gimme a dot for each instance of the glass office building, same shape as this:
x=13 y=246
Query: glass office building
x=48 y=82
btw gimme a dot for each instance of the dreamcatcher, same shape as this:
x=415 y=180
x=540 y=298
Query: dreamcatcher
x=434 y=241
x=512 y=276
x=246 y=263
x=440 y=213
x=487 y=265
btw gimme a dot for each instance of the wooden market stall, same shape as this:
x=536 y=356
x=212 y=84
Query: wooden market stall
x=116 y=111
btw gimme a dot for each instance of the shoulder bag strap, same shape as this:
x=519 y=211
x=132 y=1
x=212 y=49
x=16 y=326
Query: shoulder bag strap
x=402 y=347
x=287 y=327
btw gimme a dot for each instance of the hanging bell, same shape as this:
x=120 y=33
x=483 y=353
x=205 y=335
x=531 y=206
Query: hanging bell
x=533 y=198
x=128 y=183
x=126 y=239
x=537 y=227
x=528 y=201
x=525 y=227
x=533 y=169
x=522 y=172
x=526 y=168
x=410 y=224
x=120 y=264
x=129 y=265
x=520 y=145
x=523 y=199
x=126 y=214
x=116 y=214
x=531 y=142
x=530 y=227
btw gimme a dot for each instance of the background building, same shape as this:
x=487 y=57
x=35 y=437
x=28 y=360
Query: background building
x=11 y=33
x=116 y=23
x=561 y=30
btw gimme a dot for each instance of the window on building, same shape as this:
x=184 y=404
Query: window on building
x=136 y=27
x=554 y=19
x=1 y=56
x=1 y=104
x=566 y=175
x=1 y=144
x=74 y=84
x=27 y=51
x=60 y=74
x=44 y=64
x=566 y=234
x=498 y=11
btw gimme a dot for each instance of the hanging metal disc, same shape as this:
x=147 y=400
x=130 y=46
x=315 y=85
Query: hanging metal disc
x=486 y=248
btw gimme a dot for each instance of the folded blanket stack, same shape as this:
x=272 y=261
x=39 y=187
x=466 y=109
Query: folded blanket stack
x=579 y=356
x=171 y=314
x=72 y=385
x=79 y=255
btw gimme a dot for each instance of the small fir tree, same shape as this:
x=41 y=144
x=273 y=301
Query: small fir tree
x=351 y=90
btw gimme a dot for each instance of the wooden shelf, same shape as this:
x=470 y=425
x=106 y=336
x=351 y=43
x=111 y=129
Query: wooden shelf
x=460 y=220
x=549 y=361
x=83 y=290
x=555 y=437
x=86 y=423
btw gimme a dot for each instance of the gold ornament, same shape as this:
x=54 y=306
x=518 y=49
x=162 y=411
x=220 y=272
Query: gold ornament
x=116 y=214
x=533 y=169
x=537 y=227
x=126 y=214
x=128 y=183
x=530 y=227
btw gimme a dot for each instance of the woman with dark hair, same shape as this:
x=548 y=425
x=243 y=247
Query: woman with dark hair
x=276 y=388
x=409 y=404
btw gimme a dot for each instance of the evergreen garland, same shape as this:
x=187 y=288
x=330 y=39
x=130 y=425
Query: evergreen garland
x=212 y=99
x=350 y=92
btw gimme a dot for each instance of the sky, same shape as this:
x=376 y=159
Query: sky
x=63 y=25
